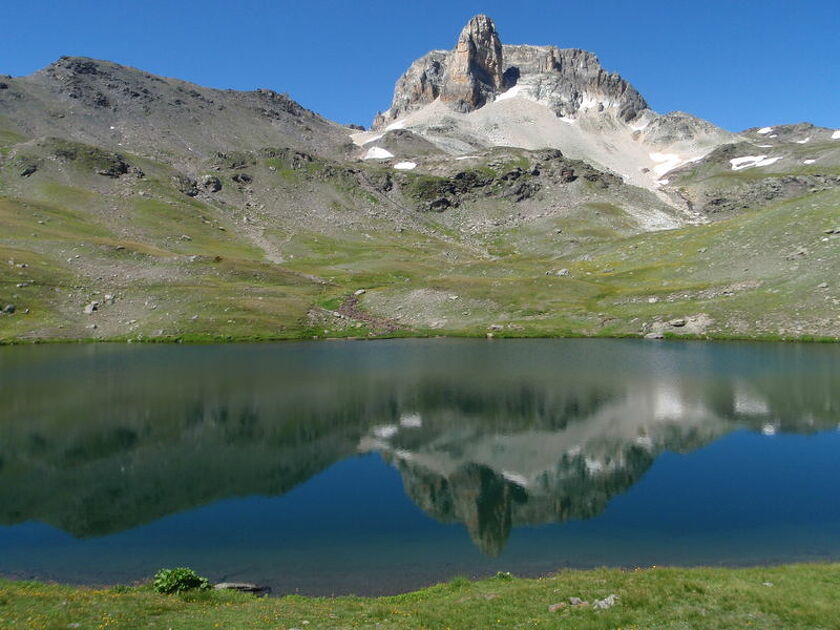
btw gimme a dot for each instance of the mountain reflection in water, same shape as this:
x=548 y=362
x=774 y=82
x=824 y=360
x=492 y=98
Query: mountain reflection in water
x=96 y=440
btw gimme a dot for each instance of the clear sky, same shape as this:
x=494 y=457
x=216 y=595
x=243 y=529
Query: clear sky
x=737 y=63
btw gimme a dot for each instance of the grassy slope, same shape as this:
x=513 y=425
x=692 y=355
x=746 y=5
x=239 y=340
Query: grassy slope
x=789 y=597
x=199 y=268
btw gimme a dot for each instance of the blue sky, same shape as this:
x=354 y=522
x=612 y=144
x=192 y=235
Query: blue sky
x=737 y=63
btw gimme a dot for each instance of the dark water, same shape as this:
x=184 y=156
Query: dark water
x=383 y=466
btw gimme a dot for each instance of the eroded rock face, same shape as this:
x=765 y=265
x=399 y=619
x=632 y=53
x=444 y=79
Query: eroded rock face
x=475 y=68
x=480 y=69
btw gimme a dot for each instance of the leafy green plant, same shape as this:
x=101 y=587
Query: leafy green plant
x=179 y=580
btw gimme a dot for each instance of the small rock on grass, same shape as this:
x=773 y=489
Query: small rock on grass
x=608 y=602
x=243 y=587
x=553 y=608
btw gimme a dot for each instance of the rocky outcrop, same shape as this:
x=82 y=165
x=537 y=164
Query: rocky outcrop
x=475 y=68
x=480 y=69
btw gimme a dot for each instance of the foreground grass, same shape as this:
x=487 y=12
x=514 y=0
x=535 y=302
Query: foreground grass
x=796 y=596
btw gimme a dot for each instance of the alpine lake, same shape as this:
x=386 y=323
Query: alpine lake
x=379 y=467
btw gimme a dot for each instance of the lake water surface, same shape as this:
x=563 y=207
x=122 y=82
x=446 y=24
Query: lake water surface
x=381 y=466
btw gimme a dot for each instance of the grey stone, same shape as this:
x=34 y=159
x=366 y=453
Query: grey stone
x=654 y=335
x=244 y=587
x=608 y=602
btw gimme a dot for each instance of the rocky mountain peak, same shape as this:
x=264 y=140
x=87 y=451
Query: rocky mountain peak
x=480 y=69
x=475 y=72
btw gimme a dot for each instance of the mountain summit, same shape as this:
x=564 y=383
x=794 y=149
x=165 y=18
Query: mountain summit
x=484 y=94
x=480 y=70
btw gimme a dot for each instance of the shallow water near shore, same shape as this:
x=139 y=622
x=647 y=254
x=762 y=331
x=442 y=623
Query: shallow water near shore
x=383 y=466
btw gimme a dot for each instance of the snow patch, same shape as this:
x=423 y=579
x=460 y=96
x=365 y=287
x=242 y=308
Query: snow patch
x=466 y=157
x=805 y=141
x=836 y=135
x=405 y=166
x=378 y=136
x=666 y=162
x=768 y=429
x=808 y=161
x=751 y=161
x=399 y=124
x=511 y=93
x=764 y=146
x=765 y=130
x=670 y=161
x=377 y=153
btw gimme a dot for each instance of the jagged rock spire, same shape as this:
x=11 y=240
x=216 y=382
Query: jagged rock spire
x=476 y=67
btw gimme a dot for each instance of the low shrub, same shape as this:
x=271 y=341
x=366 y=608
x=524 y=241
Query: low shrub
x=179 y=580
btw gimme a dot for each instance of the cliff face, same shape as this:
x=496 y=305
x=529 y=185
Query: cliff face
x=480 y=69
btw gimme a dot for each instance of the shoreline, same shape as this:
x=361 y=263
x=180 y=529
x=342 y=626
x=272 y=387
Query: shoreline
x=784 y=596
x=219 y=339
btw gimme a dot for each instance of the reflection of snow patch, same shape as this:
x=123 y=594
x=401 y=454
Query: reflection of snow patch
x=644 y=441
x=411 y=420
x=386 y=431
x=377 y=153
x=667 y=404
x=405 y=166
x=765 y=130
x=750 y=405
x=751 y=161
x=593 y=465
x=519 y=480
